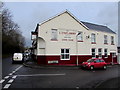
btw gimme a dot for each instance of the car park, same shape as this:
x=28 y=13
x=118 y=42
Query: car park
x=94 y=63
x=17 y=57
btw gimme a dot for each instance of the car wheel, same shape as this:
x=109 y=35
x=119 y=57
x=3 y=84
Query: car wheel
x=105 y=67
x=91 y=67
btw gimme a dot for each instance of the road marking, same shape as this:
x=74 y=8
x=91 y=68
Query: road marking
x=14 y=76
x=6 y=77
x=7 y=86
x=1 y=81
x=18 y=68
x=11 y=80
x=10 y=74
x=99 y=83
x=42 y=75
x=13 y=72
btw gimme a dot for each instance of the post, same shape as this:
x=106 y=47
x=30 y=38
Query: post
x=112 y=58
x=77 y=49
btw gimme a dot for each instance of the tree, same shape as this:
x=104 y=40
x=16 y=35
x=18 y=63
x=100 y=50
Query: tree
x=12 y=39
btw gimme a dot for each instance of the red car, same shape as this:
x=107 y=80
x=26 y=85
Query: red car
x=94 y=63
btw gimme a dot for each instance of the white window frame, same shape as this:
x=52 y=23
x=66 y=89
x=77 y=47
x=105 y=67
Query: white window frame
x=100 y=52
x=105 y=39
x=80 y=36
x=93 y=38
x=54 y=34
x=65 y=53
x=93 y=52
x=106 y=53
x=112 y=40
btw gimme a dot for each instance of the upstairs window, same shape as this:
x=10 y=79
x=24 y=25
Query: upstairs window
x=54 y=34
x=80 y=36
x=105 y=39
x=93 y=38
x=112 y=40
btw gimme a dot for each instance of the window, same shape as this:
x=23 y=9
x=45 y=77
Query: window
x=97 y=60
x=80 y=36
x=54 y=34
x=93 y=53
x=105 y=39
x=93 y=38
x=65 y=55
x=113 y=54
x=112 y=40
x=100 y=53
x=105 y=53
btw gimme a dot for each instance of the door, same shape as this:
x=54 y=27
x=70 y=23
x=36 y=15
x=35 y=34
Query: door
x=97 y=63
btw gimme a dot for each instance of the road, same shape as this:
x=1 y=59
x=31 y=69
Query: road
x=55 y=77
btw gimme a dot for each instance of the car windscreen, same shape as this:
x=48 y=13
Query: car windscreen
x=90 y=60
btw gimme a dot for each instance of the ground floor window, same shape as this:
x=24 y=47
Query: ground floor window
x=93 y=52
x=113 y=54
x=105 y=53
x=100 y=52
x=65 y=55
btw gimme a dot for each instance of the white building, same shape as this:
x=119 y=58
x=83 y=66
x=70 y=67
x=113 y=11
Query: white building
x=64 y=40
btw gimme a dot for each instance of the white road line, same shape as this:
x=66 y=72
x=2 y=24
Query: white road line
x=10 y=74
x=42 y=75
x=6 y=86
x=14 y=76
x=6 y=77
x=13 y=71
x=1 y=81
x=11 y=80
x=18 y=68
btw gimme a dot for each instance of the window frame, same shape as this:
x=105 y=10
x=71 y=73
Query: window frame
x=112 y=40
x=100 y=52
x=105 y=39
x=93 y=38
x=54 y=37
x=80 y=36
x=93 y=53
x=65 y=53
x=105 y=53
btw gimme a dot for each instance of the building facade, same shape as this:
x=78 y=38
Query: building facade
x=64 y=40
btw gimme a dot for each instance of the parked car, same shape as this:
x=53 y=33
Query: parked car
x=17 y=57
x=94 y=63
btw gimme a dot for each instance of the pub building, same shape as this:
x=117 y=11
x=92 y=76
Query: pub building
x=65 y=40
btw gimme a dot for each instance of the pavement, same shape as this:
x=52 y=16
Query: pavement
x=110 y=83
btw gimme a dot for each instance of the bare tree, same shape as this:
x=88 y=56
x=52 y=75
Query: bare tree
x=12 y=39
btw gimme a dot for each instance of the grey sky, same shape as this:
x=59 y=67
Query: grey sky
x=28 y=14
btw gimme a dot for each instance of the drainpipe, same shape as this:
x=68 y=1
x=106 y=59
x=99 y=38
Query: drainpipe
x=77 y=49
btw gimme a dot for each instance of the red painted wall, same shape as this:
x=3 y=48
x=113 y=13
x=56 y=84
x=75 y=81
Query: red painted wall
x=81 y=58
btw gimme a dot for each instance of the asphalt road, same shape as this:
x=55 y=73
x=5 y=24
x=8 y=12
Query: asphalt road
x=55 y=77
x=8 y=67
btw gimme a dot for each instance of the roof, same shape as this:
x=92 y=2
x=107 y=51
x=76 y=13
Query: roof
x=66 y=11
x=98 y=27
x=84 y=24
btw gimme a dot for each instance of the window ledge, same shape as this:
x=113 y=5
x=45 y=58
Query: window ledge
x=112 y=44
x=54 y=40
x=106 y=43
x=93 y=42
x=65 y=59
x=80 y=41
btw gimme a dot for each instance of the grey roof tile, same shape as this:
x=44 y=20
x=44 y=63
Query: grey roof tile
x=98 y=27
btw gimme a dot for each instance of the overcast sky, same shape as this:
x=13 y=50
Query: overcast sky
x=28 y=14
